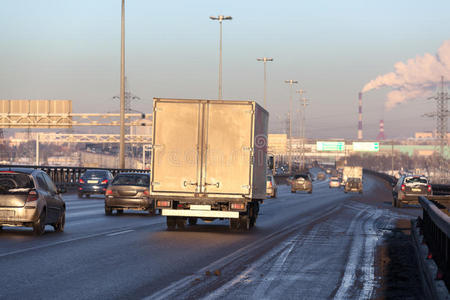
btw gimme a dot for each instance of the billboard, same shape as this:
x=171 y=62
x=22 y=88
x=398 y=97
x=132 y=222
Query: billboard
x=35 y=113
x=366 y=146
x=330 y=146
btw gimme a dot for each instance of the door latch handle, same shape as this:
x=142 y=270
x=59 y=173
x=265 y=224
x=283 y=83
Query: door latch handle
x=217 y=184
x=186 y=183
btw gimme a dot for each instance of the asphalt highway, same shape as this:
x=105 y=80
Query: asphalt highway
x=310 y=246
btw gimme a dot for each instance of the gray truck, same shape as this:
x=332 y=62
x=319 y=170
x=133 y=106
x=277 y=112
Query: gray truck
x=208 y=161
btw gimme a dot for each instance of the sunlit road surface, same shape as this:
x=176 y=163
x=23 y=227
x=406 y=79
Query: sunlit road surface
x=312 y=246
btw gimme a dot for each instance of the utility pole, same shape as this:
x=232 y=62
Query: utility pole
x=220 y=19
x=265 y=59
x=122 y=91
x=291 y=83
x=441 y=115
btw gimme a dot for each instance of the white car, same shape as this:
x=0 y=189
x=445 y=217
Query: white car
x=334 y=182
x=271 y=187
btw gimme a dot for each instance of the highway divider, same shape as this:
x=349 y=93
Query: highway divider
x=435 y=228
x=69 y=176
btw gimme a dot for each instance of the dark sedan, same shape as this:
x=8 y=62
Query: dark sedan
x=94 y=182
x=129 y=191
x=29 y=198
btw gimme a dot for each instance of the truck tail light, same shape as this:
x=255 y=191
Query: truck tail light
x=81 y=180
x=429 y=189
x=237 y=206
x=32 y=196
x=163 y=203
x=105 y=181
x=108 y=192
x=146 y=193
x=403 y=187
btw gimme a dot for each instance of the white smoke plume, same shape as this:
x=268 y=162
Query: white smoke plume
x=416 y=78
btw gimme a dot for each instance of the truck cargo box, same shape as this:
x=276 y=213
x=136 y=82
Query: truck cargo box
x=208 y=150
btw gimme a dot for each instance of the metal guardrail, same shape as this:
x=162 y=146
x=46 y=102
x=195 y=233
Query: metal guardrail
x=436 y=231
x=69 y=176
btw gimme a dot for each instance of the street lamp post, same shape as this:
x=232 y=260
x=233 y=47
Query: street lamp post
x=265 y=59
x=291 y=83
x=220 y=18
x=122 y=92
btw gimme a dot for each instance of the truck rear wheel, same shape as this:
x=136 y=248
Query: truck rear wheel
x=181 y=222
x=234 y=224
x=171 y=223
x=244 y=223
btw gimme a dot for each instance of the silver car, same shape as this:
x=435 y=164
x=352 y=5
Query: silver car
x=29 y=198
x=129 y=191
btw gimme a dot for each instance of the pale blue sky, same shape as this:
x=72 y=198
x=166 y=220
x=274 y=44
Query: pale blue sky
x=67 y=49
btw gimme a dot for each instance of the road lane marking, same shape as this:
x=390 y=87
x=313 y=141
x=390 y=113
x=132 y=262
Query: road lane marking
x=120 y=232
x=72 y=240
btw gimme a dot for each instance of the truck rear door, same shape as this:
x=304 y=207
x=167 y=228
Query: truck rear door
x=176 y=144
x=228 y=139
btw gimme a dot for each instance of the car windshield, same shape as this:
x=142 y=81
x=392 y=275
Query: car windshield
x=132 y=179
x=15 y=183
x=95 y=174
x=417 y=179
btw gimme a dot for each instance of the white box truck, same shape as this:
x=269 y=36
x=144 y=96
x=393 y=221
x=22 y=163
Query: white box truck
x=208 y=161
x=352 y=177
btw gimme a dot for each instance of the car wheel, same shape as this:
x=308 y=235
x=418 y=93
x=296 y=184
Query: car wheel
x=59 y=226
x=293 y=191
x=310 y=192
x=108 y=210
x=119 y=211
x=39 y=225
x=171 y=223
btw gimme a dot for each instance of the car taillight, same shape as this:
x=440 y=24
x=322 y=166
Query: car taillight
x=32 y=196
x=403 y=187
x=105 y=181
x=237 y=206
x=81 y=180
x=163 y=203
x=108 y=192
x=146 y=193
x=429 y=188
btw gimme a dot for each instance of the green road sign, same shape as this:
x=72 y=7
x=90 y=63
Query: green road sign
x=330 y=146
x=366 y=146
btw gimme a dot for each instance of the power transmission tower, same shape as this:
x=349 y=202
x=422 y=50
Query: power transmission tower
x=129 y=96
x=303 y=104
x=441 y=116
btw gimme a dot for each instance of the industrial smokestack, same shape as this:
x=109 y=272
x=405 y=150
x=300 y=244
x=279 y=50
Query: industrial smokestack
x=360 y=133
x=381 y=133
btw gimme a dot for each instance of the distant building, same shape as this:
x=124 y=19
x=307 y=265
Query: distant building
x=423 y=135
